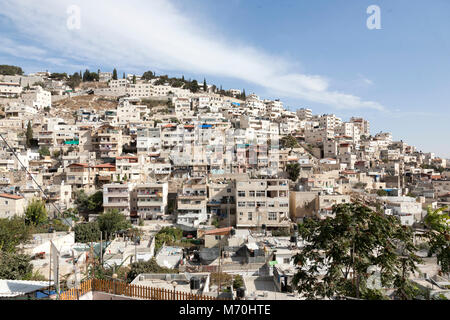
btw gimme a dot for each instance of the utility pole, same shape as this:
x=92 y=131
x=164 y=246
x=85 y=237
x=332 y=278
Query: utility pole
x=75 y=273
x=228 y=210
x=220 y=265
x=101 y=248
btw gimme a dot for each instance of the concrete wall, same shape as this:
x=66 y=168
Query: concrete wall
x=301 y=204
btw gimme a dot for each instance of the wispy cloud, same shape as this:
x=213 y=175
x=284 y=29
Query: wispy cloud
x=154 y=34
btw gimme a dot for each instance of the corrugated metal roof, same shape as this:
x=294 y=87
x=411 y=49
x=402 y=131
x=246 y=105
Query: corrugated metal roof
x=15 y=288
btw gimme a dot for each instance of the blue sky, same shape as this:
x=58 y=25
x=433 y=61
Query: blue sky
x=318 y=54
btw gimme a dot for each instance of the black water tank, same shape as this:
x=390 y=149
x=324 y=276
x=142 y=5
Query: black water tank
x=293 y=239
x=233 y=231
x=295 y=227
x=240 y=292
x=195 y=283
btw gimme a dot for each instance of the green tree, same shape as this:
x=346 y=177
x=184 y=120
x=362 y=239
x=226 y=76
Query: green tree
x=382 y=193
x=13 y=231
x=36 y=213
x=58 y=76
x=43 y=151
x=29 y=135
x=134 y=79
x=114 y=76
x=95 y=202
x=289 y=142
x=293 y=170
x=15 y=266
x=167 y=235
x=89 y=204
x=74 y=80
x=438 y=234
x=8 y=70
x=111 y=222
x=205 y=87
x=87 y=232
x=344 y=247
x=193 y=86
x=148 y=75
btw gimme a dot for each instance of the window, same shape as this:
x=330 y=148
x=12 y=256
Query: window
x=286 y=260
x=272 y=216
x=250 y=216
x=284 y=205
x=229 y=190
x=241 y=193
x=251 y=204
x=260 y=193
x=218 y=237
x=241 y=213
x=251 y=193
x=241 y=204
x=260 y=204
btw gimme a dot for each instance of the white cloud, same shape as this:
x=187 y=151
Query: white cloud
x=154 y=34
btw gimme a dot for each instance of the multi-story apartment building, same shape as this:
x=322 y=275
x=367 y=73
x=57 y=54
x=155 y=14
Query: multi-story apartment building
x=8 y=89
x=362 y=124
x=107 y=141
x=329 y=121
x=192 y=204
x=37 y=98
x=80 y=176
x=128 y=168
x=105 y=76
x=152 y=200
x=148 y=140
x=348 y=129
x=262 y=202
x=140 y=90
x=304 y=114
x=119 y=196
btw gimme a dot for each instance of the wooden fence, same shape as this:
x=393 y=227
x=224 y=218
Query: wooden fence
x=130 y=290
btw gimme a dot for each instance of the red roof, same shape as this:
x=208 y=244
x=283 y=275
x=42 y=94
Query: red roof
x=217 y=231
x=10 y=196
x=126 y=157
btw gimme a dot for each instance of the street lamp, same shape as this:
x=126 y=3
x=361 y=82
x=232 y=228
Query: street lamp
x=114 y=276
x=174 y=284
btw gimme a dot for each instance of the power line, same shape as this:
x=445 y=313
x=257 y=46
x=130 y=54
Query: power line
x=39 y=186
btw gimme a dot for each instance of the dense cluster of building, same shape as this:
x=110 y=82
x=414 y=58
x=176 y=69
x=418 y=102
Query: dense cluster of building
x=201 y=159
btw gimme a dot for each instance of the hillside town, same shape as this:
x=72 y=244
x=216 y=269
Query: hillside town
x=210 y=186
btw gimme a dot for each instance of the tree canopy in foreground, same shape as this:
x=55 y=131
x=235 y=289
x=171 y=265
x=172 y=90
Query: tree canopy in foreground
x=343 y=253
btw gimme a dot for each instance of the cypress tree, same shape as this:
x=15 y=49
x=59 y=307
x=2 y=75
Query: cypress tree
x=114 y=74
x=29 y=134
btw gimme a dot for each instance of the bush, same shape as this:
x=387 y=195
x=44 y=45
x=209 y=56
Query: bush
x=238 y=282
x=15 y=266
x=382 y=193
x=167 y=235
x=150 y=266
